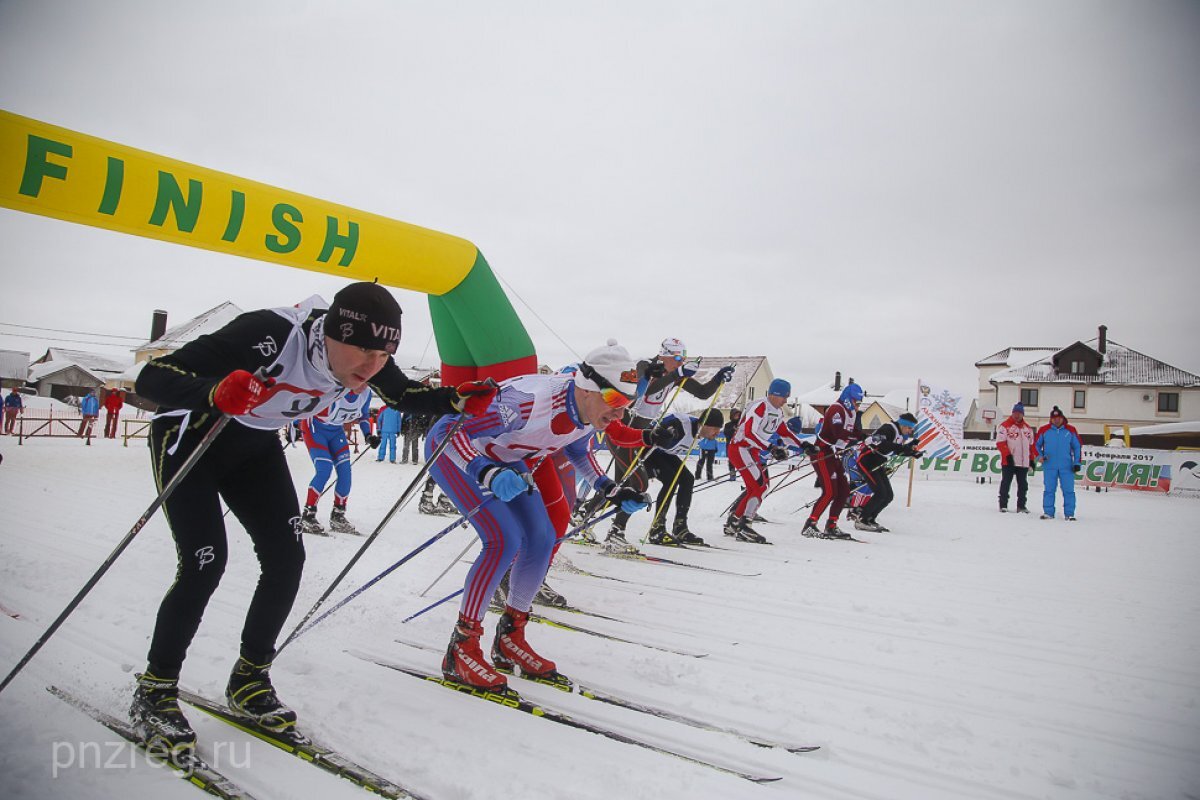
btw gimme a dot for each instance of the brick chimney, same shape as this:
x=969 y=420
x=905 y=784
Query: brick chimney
x=1103 y=339
x=158 y=324
x=837 y=380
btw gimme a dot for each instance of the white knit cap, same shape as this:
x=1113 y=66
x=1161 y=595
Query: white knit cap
x=614 y=364
x=672 y=347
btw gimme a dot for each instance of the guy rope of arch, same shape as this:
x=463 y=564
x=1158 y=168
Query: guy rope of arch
x=55 y=172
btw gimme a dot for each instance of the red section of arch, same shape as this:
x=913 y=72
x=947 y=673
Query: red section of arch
x=452 y=375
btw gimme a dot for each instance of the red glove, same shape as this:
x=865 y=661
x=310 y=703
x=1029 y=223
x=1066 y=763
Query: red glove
x=474 y=397
x=238 y=393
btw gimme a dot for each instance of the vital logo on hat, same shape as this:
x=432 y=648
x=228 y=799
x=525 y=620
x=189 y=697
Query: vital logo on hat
x=365 y=315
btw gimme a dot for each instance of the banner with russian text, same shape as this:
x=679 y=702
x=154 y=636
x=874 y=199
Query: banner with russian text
x=940 y=417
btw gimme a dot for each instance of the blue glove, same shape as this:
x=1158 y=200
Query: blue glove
x=505 y=483
x=630 y=500
x=725 y=374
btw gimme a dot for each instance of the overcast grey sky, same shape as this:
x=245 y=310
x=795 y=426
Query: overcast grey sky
x=894 y=190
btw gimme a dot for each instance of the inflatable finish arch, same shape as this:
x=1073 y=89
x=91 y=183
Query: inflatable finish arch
x=59 y=173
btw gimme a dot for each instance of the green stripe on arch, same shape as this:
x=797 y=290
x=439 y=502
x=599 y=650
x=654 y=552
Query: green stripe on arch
x=478 y=332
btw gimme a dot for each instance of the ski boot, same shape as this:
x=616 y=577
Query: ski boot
x=585 y=536
x=731 y=525
x=510 y=651
x=747 y=534
x=854 y=514
x=861 y=524
x=446 y=507
x=658 y=535
x=157 y=718
x=682 y=535
x=464 y=663
x=251 y=694
x=338 y=522
x=309 y=522
x=832 y=531
x=547 y=596
x=811 y=530
x=616 y=543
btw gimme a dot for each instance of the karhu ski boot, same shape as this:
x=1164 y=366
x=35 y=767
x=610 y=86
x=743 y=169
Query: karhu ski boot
x=747 y=534
x=811 y=530
x=547 y=596
x=157 y=718
x=616 y=543
x=251 y=694
x=832 y=531
x=338 y=522
x=658 y=535
x=309 y=522
x=510 y=651
x=464 y=662
x=681 y=533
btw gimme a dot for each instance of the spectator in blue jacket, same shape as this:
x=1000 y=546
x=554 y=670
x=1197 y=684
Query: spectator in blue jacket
x=13 y=406
x=1061 y=452
x=89 y=407
x=389 y=429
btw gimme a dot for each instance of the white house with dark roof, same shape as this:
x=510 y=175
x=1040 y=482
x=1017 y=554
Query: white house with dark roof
x=1096 y=383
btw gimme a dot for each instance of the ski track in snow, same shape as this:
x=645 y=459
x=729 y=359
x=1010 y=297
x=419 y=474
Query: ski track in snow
x=968 y=654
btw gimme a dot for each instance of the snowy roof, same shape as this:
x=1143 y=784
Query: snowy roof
x=1017 y=356
x=47 y=368
x=210 y=321
x=1122 y=366
x=92 y=362
x=823 y=395
x=14 y=364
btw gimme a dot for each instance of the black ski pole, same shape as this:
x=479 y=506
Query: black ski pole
x=404 y=498
x=180 y=474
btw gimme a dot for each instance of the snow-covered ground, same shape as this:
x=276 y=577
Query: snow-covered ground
x=967 y=655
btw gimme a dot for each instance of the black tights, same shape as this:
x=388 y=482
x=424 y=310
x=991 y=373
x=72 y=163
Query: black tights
x=245 y=467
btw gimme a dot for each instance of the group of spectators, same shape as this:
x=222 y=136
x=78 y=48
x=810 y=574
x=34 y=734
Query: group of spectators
x=391 y=425
x=89 y=410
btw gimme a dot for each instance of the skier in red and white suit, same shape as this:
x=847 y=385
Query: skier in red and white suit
x=761 y=421
x=521 y=516
x=838 y=429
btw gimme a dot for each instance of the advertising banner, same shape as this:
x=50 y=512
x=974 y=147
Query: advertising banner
x=1112 y=467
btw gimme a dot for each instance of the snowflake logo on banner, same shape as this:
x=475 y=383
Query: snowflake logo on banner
x=945 y=404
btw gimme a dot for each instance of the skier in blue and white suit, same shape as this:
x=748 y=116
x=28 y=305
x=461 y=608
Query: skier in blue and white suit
x=325 y=438
x=499 y=469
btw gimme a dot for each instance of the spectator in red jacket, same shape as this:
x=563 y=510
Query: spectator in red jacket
x=112 y=407
x=1014 y=440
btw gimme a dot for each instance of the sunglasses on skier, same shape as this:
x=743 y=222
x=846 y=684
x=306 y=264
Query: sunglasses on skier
x=613 y=397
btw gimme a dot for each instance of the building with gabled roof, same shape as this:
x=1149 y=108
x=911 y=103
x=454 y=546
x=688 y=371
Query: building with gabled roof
x=174 y=338
x=1095 y=383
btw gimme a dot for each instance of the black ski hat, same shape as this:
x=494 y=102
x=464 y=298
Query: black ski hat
x=364 y=315
x=712 y=417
